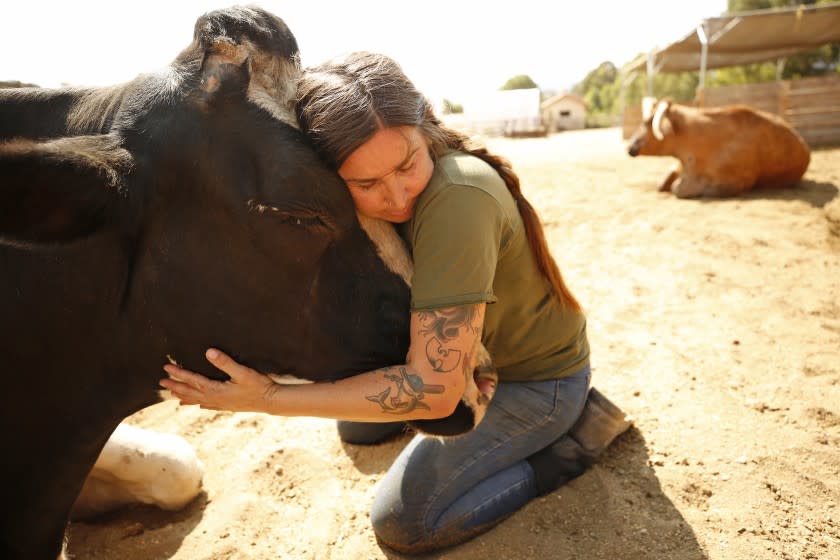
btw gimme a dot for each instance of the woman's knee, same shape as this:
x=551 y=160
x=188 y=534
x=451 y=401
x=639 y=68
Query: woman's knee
x=406 y=533
x=396 y=525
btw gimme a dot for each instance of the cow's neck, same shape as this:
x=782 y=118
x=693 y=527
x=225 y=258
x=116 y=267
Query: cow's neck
x=389 y=246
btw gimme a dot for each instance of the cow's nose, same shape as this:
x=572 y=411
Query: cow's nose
x=633 y=150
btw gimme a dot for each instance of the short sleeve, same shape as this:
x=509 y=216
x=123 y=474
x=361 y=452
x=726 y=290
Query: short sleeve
x=456 y=239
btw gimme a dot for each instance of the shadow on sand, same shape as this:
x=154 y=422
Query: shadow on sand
x=380 y=461
x=158 y=533
x=617 y=510
x=817 y=194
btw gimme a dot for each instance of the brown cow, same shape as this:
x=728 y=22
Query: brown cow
x=722 y=151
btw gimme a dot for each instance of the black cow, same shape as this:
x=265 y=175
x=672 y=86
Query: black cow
x=166 y=215
x=153 y=219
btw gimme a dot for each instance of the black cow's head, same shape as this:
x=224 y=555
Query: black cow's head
x=179 y=211
x=228 y=229
x=225 y=228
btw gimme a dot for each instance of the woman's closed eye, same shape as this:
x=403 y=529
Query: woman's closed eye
x=408 y=167
x=366 y=186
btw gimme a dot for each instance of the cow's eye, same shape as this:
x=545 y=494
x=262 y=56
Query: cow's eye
x=303 y=219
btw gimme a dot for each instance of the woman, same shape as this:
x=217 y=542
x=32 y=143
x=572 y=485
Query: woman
x=483 y=272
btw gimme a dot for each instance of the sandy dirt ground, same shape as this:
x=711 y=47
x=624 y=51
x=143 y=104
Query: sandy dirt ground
x=714 y=323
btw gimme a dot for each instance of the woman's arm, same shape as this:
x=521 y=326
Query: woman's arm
x=429 y=385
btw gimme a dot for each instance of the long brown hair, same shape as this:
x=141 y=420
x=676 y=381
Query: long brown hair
x=342 y=103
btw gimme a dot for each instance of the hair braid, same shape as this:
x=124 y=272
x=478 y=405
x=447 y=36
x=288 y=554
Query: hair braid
x=446 y=138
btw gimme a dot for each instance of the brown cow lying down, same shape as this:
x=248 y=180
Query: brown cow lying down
x=723 y=151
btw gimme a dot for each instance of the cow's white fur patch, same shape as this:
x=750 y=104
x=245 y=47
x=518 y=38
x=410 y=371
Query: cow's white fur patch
x=138 y=465
x=287 y=379
x=273 y=84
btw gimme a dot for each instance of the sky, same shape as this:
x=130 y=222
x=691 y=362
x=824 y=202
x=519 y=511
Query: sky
x=450 y=49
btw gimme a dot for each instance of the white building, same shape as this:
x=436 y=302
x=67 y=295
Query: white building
x=564 y=112
x=514 y=112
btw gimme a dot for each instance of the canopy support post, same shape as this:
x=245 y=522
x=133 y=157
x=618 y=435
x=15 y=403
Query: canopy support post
x=651 y=71
x=704 y=53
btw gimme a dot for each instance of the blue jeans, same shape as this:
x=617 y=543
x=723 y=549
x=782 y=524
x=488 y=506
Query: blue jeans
x=441 y=492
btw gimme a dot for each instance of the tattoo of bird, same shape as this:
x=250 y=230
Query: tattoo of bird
x=410 y=392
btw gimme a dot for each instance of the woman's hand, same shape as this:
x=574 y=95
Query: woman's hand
x=246 y=391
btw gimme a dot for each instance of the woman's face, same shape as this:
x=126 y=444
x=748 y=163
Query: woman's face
x=387 y=173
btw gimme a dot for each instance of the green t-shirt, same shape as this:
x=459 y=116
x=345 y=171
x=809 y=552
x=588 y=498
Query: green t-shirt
x=469 y=246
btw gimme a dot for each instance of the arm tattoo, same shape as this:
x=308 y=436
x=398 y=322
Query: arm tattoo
x=443 y=325
x=410 y=391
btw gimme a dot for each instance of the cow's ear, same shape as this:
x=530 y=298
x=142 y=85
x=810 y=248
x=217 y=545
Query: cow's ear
x=224 y=70
x=61 y=190
x=676 y=119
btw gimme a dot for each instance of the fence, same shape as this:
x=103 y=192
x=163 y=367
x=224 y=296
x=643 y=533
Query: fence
x=810 y=105
x=631 y=120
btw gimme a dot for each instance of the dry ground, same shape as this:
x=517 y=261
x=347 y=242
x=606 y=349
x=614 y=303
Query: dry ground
x=714 y=323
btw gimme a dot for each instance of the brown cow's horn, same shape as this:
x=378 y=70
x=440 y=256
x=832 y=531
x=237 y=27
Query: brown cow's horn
x=656 y=125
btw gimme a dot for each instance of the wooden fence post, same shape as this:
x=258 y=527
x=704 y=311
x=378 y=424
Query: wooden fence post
x=784 y=99
x=700 y=97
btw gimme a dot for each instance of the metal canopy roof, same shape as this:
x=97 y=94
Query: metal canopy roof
x=744 y=38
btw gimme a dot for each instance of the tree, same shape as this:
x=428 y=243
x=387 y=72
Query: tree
x=599 y=91
x=678 y=86
x=749 y=5
x=450 y=107
x=16 y=84
x=593 y=85
x=520 y=81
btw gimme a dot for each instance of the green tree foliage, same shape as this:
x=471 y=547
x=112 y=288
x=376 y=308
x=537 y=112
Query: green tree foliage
x=602 y=88
x=679 y=86
x=599 y=90
x=450 y=107
x=520 y=81
x=15 y=84
x=749 y=5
